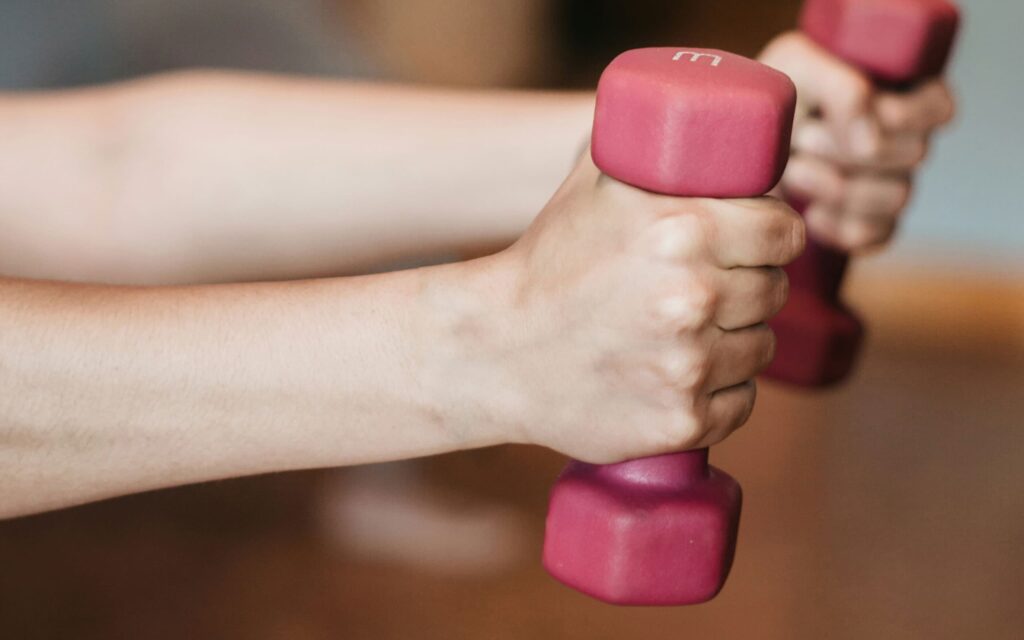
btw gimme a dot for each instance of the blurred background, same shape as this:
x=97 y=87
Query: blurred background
x=889 y=508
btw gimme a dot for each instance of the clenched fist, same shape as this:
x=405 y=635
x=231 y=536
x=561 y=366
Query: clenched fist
x=637 y=320
x=855 y=148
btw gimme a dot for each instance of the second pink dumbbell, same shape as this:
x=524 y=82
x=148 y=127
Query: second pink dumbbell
x=897 y=43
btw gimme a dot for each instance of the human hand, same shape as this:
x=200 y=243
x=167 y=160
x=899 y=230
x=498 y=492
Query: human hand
x=638 y=319
x=856 y=148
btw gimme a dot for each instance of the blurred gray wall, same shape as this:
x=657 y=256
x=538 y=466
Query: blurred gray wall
x=55 y=43
x=968 y=212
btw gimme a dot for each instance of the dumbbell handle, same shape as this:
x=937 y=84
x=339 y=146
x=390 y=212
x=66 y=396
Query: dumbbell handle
x=671 y=470
x=820 y=269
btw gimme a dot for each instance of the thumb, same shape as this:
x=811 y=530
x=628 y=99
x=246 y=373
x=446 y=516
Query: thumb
x=830 y=89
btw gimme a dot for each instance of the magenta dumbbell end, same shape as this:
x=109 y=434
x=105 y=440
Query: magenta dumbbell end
x=693 y=122
x=817 y=337
x=657 y=531
x=896 y=41
x=818 y=341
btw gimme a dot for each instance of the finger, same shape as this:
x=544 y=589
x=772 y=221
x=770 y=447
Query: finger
x=728 y=410
x=922 y=109
x=815 y=180
x=824 y=225
x=826 y=84
x=749 y=296
x=739 y=355
x=849 y=234
x=857 y=235
x=871 y=195
x=866 y=215
x=900 y=151
x=754 y=232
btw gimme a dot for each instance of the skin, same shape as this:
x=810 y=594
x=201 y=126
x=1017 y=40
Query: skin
x=615 y=308
x=855 y=148
x=200 y=177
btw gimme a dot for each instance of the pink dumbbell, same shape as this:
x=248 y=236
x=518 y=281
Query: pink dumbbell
x=683 y=122
x=898 y=43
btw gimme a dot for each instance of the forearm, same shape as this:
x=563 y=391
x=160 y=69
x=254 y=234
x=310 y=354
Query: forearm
x=206 y=177
x=109 y=391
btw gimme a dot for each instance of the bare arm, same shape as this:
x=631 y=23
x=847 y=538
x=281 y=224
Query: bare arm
x=111 y=390
x=212 y=177
x=215 y=177
x=622 y=324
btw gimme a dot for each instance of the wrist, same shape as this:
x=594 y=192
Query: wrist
x=464 y=336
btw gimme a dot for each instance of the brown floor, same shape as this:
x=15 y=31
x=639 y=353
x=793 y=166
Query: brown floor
x=891 y=508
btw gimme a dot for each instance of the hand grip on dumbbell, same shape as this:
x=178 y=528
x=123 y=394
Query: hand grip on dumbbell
x=897 y=43
x=682 y=122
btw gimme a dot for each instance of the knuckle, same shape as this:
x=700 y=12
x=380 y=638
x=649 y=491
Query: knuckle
x=792 y=42
x=672 y=313
x=861 y=88
x=852 y=90
x=682 y=370
x=676 y=237
x=886 y=106
x=704 y=299
x=695 y=369
x=669 y=366
x=683 y=429
x=687 y=308
x=900 y=115
x=782 y=50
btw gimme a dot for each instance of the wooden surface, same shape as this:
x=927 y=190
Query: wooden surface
x=891 y=508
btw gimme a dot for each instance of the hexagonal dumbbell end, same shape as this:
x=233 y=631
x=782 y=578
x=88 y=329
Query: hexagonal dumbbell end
x=693 y=122
x=818 y=338
x=896 y=41
x=656 y=531
x=683 y=122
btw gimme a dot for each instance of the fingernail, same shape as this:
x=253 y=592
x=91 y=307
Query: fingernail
x=676 y=237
